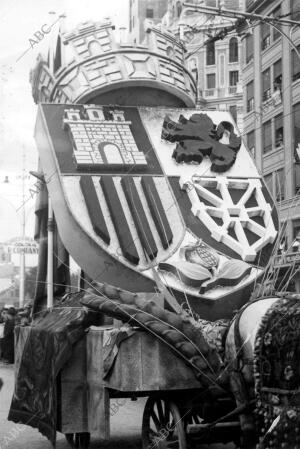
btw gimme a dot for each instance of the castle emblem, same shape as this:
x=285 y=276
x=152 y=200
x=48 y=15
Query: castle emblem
x=102 y=138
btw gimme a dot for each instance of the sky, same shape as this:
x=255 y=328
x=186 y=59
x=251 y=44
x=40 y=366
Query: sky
x=20 y=20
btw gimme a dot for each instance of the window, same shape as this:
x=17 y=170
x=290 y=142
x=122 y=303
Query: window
x=210 y=54
x=233 y=77
x=267 y=137
x=251 y=143
x=265 y=36
x=250 y=96
x=296 y=233
x=266 y=84
x=269 y=182
x=283 y=245
x=295 y=9
x=149 y=13
x=277 y=72
x=233 y=50
x=233 y=111
x=276 y=14
x=296 y=124
x=276 y=184
x=279 y=185
x=296 y=228
x=295 y=64
x=297 y=178
x=278 y=125
x=211 y=81
x=222 y=70
x=249 y=48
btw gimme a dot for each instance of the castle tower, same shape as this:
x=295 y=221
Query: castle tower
x=99 y=142
x=89 y=66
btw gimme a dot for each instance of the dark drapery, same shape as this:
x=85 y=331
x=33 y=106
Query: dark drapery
x=47 y=348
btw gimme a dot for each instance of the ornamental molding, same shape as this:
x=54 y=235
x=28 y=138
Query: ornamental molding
x=90 y=60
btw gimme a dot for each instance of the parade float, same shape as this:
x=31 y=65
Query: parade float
x=162 y=207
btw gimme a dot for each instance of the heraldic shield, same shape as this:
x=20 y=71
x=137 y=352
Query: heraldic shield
x=142 y=195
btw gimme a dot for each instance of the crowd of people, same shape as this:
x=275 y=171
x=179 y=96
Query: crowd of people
x=9 y=318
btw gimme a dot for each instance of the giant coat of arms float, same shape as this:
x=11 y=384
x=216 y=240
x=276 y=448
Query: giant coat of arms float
x=162 y=208
x=144 y=196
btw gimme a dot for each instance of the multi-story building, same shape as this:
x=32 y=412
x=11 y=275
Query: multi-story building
x=214 y=63
x=139 y=10
x=271 y=79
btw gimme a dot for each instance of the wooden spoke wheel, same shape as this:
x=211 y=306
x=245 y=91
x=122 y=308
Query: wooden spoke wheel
x=163 y=427
x=78 y=440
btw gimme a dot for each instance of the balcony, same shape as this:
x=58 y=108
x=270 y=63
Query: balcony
x=210 y=92
x=266 y=95
x=274 y=159
x=271 y=100
x=287 y=259
x=232 y=90
x=290 y=208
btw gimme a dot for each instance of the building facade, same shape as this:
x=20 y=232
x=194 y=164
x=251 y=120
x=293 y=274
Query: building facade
x=271 y=74
x=139 y=10
x=215 y=64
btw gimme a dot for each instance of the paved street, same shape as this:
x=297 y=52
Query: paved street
x=125 y=425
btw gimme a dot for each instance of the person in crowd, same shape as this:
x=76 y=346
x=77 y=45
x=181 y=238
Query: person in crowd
x=24 y=315
x=8 y=336
x=3 y=314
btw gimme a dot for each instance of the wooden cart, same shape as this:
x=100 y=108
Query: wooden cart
x=176 y=405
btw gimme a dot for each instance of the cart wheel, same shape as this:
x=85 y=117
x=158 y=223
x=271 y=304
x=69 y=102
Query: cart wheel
x=78 y=440
x=162 y=425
